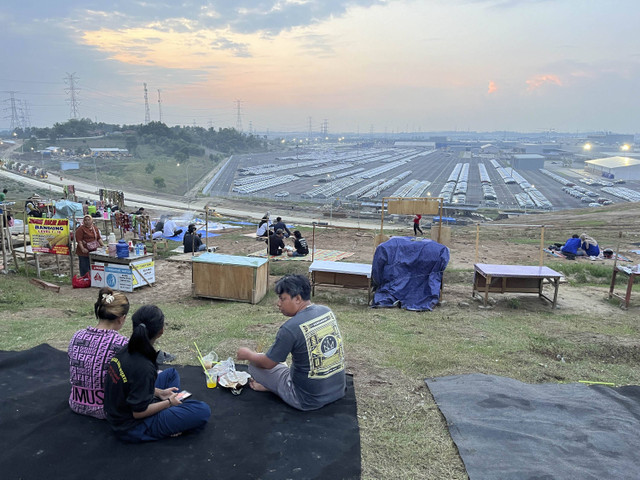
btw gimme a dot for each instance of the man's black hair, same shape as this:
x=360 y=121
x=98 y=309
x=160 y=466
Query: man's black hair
x=294 y=285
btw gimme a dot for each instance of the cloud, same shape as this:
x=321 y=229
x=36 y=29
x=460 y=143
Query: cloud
x=492 y=87
x=540 y=80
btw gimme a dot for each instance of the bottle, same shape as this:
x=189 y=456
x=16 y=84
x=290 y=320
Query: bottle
x=111 y=245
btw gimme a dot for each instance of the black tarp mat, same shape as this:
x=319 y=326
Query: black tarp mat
x=506 y=429
x=253 y=435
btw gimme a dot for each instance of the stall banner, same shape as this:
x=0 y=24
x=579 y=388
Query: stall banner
x=49 y=235
x=123 y=277
x=97 y=275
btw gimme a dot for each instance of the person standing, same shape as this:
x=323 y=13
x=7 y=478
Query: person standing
x=90 y=351
x=311 y=335
x=141 y=404
x=416 y=225
x=88 y=239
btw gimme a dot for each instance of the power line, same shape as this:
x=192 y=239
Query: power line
x=72 y=92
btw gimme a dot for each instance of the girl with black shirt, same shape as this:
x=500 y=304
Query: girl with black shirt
x=142 y=405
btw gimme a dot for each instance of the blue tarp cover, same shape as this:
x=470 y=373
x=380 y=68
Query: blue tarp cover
x=407 y=272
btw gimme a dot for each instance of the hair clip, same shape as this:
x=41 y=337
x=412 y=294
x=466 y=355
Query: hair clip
x=107 y=297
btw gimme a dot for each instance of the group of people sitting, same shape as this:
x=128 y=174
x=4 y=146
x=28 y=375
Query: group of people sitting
x=580 y=245
x=276 y=233
x=117 y=378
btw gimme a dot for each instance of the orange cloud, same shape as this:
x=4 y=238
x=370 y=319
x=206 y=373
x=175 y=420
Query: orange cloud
x=541 y=80
x=492 y=87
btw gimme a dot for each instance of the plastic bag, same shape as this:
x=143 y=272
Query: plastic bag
x=210 y=359
x=81 y=282
x=228 y=377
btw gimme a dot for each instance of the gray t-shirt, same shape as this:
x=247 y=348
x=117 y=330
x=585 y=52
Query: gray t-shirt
x=317 y=368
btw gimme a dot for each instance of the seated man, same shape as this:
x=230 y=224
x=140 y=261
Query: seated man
x=282 y=226
x=192 y=241
x=275 y=243
x=317 y=374
x=573 y=246
x=300 y=245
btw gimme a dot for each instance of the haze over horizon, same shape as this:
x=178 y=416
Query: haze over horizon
x=361 y=65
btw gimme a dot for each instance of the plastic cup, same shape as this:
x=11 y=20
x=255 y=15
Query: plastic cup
x=212 y=381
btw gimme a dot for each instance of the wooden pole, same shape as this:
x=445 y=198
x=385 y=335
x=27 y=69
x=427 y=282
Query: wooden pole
x=542 y=245
x=72 y=245
x=206 y=228
x=615 y=261
x=24 y=242
x=4 y=251
x=313 y=242
x=477 y=241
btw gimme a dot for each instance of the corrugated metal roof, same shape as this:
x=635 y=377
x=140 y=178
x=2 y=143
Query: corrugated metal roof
x=614 y=162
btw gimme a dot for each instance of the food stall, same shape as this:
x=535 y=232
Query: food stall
x=124 y=274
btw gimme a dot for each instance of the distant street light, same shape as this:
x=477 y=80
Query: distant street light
x=187 y=171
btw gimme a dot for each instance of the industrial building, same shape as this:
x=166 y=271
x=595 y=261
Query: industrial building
x=619 y=168
x=527 y=161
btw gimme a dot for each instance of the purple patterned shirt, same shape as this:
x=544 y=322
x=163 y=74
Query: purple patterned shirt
x=90 y=352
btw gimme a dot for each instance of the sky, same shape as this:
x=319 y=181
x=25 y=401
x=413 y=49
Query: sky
x=362 y=66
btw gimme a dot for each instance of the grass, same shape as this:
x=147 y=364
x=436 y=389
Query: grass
x=390 y=351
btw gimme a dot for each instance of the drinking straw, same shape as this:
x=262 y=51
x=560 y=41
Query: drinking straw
x=206 y=372
x=595 y=383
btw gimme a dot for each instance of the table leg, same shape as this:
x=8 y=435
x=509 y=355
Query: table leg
x=613 y=282
x=486 y=289
x=556 y=283
x=627 y=297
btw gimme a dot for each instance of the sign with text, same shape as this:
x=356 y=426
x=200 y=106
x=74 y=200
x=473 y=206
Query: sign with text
x=49 y=235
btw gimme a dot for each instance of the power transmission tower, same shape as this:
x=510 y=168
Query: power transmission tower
x=160 y=105
x=24 y=114
x=310 y=134
x=250 y=127
x=325 y=127
x=147 y=115
x=239 y=116
x=72 y=91
x=15 y=121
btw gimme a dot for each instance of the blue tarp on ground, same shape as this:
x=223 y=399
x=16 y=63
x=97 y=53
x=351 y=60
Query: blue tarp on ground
x=407 y=272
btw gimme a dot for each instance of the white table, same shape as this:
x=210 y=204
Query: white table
x=341 y=274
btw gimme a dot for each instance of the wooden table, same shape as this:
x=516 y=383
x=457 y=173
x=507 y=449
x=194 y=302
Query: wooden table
x=633 y=273
x=229 y=277
x=341 y=274
x=514 y=278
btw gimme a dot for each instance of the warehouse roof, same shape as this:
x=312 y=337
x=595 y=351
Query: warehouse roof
x=614 y=162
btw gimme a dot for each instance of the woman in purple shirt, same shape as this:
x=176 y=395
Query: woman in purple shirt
x=91 y=350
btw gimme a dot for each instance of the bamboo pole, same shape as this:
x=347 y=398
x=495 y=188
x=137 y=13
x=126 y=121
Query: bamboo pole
x=542 y=246
x=4 y=252
x=206 y=228
x=477 y=241
x=24 y=243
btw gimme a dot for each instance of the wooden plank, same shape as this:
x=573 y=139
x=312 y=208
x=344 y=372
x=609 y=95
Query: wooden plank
x=45 y=285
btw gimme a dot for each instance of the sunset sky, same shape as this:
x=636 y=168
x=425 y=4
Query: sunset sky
x=363 y=65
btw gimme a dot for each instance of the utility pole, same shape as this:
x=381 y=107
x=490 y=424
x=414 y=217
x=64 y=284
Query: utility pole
x=238 y=116
x=310 y=134
x=160 y=105
x=72 y=92
x=147 y=115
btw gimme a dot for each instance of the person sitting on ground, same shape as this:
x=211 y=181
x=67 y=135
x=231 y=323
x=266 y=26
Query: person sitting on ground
x=141 y=404
x=91 y=349
x=192 y=241
x=275 y=243
x=167 y=227
x=573 y=246
x=589 y=245
x=264 y=227
x=282 y=226
x=317 y=374
x=300 y=245
x=31 y=206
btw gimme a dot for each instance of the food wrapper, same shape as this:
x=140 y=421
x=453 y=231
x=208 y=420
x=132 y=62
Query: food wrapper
x=228 y=377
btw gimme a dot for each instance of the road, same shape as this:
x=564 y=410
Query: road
x=173 y=204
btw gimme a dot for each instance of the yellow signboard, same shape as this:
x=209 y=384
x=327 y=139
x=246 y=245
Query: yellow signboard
x=49 y=235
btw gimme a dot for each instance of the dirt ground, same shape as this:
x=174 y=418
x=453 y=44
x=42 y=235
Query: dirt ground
x=507 y=242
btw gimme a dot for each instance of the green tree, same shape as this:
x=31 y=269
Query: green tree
x=159 y=181
x=131 y=143
x=149 y=168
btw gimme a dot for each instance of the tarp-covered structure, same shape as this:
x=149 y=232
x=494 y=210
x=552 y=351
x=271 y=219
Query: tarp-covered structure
x=407 y=272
